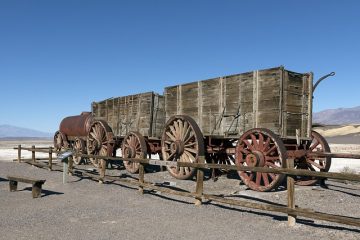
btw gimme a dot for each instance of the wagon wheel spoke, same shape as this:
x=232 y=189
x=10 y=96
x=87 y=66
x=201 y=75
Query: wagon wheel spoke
x=171 y=136
x=189 y=138
x=249 y=145
x=186 y=131
x=266 y=144
x=261 y=142
x=271 y=159
x=190 y=144
x=271 y=150
x=254 y=142
x=171 y=157
x=270 y=164
x=265 y=178
x=314 y=145
x=192 y=150
x=313 y=163
x=258 y=178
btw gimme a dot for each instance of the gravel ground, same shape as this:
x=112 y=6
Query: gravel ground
x=84 y=209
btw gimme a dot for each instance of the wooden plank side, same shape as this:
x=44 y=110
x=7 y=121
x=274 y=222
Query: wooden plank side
x=269 y=95
x=231 y=95
x=171 y=101
x=158 y=121
x=296 y=107
x=188 y=101
x=130 y=113
x=246 y=91
x=210 y=106
x=234 y=104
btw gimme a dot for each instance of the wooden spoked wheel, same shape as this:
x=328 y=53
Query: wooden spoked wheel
x=133 y=146
x=60 y=141
x=260 y=147
x=79 y=148
x=319 y=164
x=182 y=141
x=100 y=141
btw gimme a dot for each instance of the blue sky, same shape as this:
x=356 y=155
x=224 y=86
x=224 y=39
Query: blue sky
x=56 y=57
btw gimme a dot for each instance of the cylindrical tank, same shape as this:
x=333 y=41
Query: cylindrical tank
x=77 y=125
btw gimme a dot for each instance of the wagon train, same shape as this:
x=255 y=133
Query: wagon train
x=258 y=118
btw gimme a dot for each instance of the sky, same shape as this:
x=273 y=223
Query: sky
x=58 y=56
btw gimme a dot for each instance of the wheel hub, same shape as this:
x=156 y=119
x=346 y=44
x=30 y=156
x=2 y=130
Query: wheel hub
x=130 y=152
x=255 y=159
x=177 y=147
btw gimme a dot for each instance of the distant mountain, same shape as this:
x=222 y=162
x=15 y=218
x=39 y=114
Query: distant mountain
x=338 y=116
x=9 y=131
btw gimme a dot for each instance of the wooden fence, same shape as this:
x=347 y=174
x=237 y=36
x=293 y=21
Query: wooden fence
x=291 y=210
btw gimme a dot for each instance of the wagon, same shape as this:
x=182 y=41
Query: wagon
x=132 y=123
x=258 y=118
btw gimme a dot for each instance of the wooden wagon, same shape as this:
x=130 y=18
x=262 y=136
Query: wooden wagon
x=258 y=118
x=132 y=123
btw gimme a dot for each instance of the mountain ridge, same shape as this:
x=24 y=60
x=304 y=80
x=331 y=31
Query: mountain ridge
x=10 y=131
x=338 y=116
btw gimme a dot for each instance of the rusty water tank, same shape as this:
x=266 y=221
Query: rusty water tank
x=77 y=125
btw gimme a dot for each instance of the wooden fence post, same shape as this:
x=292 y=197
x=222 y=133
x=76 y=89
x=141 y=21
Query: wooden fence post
x=50 y=159
x=141 y=178
x=199 y=182
x=19 y=153
x=71 y=165
x=33 y=153
x=103 y=164
x=291 y=193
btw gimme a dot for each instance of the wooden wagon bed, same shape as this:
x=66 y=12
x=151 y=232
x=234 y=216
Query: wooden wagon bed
x=143 y=113
x=226 y=107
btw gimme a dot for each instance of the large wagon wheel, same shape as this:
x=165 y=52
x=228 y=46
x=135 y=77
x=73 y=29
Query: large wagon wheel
x=318 y=164
x=182 y=141
x=260 y=147
x=79 y=148
x=60 y=141
x=133 y=146
x=100 y=141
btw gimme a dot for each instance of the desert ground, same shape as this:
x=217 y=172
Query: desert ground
x=85 y=209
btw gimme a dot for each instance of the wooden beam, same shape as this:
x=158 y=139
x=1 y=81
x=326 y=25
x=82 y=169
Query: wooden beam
x=19 y=153
x=291 y=193
x=50 y=159
x=282 y=209
x=141 y=178
x=199 y=182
